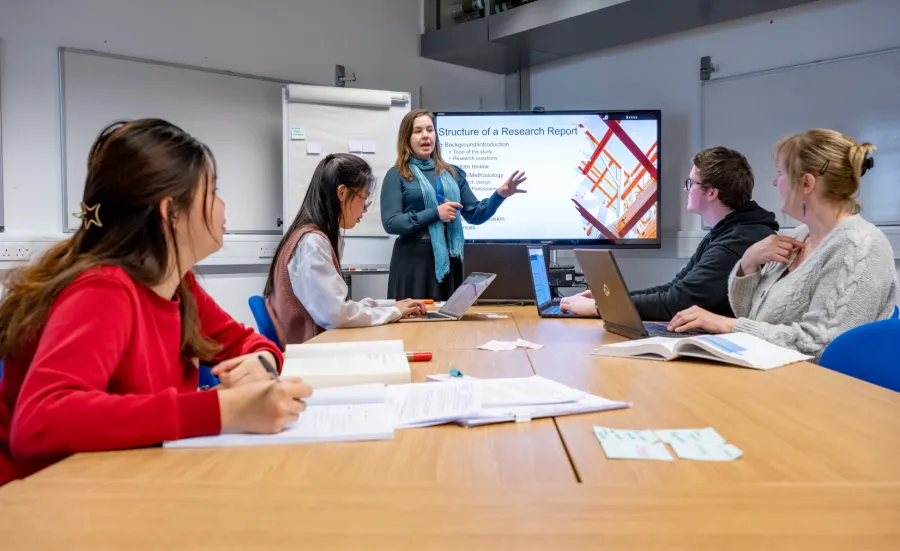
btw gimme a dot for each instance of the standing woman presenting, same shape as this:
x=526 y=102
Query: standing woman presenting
x=421 y=199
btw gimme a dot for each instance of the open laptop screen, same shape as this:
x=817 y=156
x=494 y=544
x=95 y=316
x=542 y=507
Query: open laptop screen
x=539 y=276
x=467 y=293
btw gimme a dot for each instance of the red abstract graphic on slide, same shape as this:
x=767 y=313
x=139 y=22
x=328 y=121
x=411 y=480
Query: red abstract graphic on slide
x=618 y=197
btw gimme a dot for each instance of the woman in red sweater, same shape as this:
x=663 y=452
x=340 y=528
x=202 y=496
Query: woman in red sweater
x=102 y=337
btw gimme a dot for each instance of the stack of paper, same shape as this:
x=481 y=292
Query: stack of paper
x=696 y=444
x=347 y=363
x=373 y=411
x=336 y=423
x=524 y=399
x=423 y=404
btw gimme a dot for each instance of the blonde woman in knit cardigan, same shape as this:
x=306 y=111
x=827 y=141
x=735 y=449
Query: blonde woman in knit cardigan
x=305 y=292
x=831 y=274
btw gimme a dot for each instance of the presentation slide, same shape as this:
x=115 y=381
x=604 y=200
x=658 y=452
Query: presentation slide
x=591 y=176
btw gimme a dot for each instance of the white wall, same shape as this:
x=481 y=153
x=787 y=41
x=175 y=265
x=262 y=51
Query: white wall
x=297 y=40
x=664 y=74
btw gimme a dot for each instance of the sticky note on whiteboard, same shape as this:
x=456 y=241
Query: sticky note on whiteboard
x=355 y=146
x=313 y=148
x=369 y=146
x=298 y=133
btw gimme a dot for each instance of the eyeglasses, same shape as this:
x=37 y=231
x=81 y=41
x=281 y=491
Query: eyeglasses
x=369 y=199
x=688 y=183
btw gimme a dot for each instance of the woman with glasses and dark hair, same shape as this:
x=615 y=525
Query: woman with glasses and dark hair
x=306 y=293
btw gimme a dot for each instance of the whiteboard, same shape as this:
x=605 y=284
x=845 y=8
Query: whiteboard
x=238 y=117
x=857 y=95
x=322 y=120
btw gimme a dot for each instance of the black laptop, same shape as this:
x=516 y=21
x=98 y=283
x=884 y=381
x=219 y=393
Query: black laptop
x=620 y=316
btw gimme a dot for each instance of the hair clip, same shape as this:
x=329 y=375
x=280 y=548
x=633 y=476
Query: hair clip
x=89 y=215
x=867 y=164
x=825 y=167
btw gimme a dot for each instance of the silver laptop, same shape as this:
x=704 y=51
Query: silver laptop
x=547 y=306
x=461 y=300
x=620 y=316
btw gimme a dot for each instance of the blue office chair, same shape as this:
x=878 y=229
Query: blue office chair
x=870 y=352
x=266 y=329
x=263 y=320
x=207 y=379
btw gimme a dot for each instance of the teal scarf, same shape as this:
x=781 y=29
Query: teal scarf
x=436 y=230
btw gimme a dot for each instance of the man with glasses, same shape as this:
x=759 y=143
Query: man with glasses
x=718 y=189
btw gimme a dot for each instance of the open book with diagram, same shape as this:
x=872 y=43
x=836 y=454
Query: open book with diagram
x=739 y=349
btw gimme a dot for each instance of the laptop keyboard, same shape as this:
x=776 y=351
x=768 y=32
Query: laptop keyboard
x=661 y=330
x=552 y=310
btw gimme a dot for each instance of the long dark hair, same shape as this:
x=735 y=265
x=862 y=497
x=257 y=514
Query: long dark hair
x=132 y=167
x=321 y=207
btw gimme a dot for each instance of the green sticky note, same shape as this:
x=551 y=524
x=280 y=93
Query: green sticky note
x=298 y=133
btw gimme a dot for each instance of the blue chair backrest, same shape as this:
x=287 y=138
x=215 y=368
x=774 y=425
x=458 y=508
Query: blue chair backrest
x=263 y=320
x=207 y=379
x=870 y=352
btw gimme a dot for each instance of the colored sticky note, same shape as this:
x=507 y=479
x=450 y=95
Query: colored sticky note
x=298 y=133
x=606 y=434
x=706 y=452
x=355 y=146
x=707 y=436
x=313 y=148
x=636 y=450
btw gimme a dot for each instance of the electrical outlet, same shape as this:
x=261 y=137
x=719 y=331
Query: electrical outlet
x=267 y=250
x=15 y=251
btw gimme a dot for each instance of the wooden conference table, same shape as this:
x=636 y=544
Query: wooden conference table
x=820 y=467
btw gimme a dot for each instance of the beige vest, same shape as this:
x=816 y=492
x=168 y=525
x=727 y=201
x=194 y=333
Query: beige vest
x=292 y=322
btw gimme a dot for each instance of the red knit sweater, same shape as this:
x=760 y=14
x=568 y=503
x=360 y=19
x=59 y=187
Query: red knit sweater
x=107 y=374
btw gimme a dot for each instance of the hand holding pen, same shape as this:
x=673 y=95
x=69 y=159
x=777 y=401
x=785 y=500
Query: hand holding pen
x=266 y=406
x=447 y=210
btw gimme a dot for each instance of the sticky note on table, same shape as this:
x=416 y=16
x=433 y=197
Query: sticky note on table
x=369 y=146
x=298 y=133
x=706 y=452
x=707 y=436
x=313 y=148
x=636 y=450
x=355 y=146
x=605 y=434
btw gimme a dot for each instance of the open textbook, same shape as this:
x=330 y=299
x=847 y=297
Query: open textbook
x=373 y=411
x=332 y=415
x=739 y=349
x=347 y=363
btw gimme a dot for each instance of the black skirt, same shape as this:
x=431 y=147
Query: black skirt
x=412 y=271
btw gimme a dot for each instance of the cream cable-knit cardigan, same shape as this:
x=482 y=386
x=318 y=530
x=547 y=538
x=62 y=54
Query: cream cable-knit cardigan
x=847 y=281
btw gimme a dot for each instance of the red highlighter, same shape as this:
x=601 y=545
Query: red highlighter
x=418 y=356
